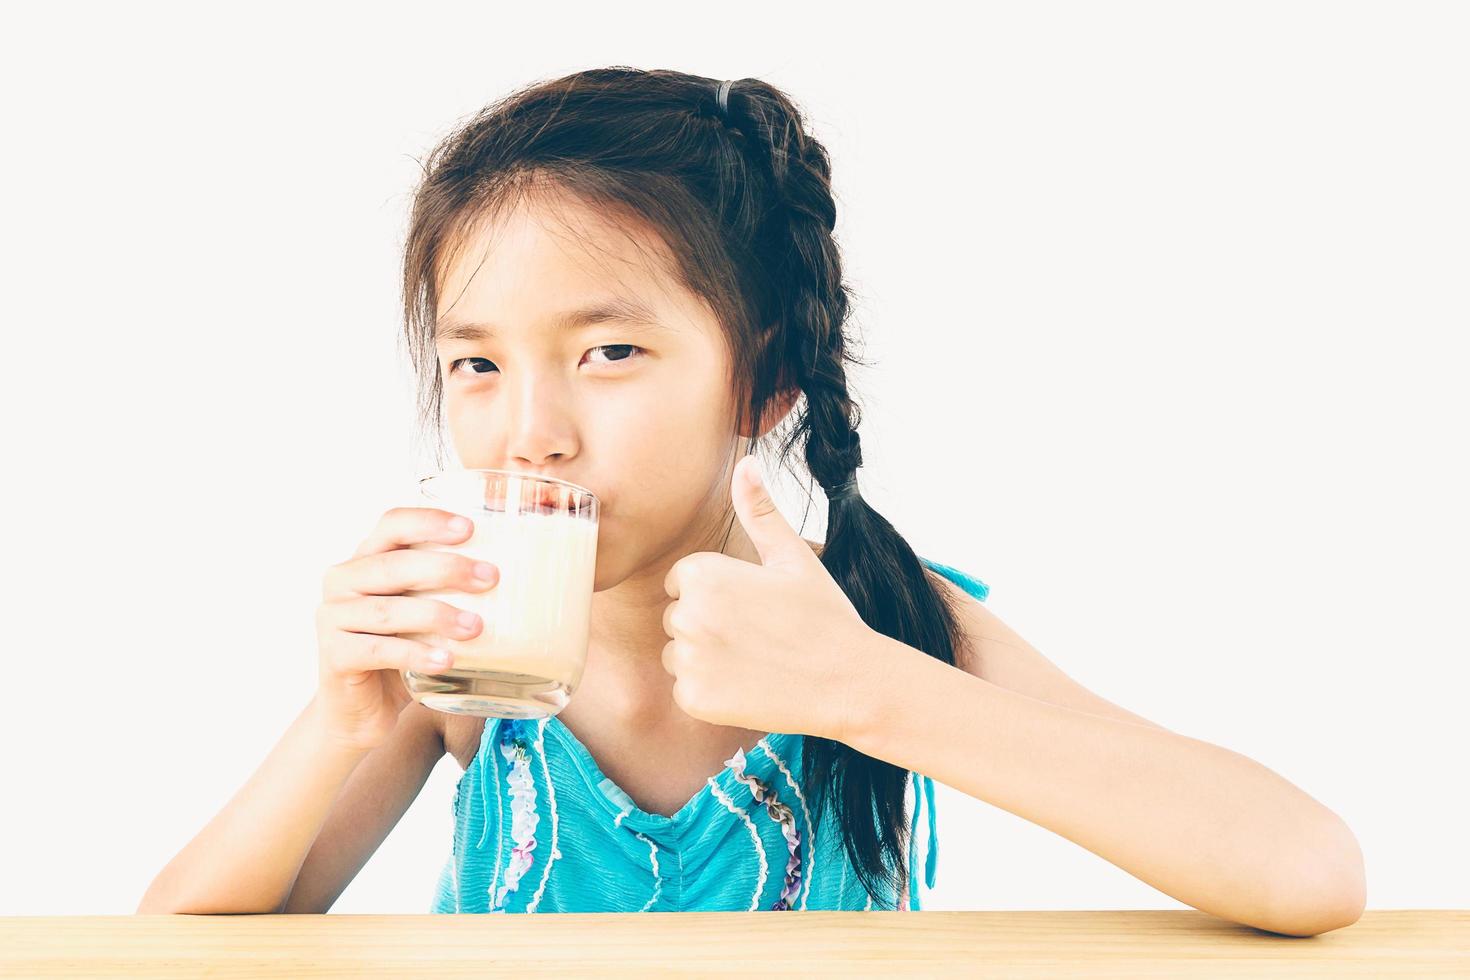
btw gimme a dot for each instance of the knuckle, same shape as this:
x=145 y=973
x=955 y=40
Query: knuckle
x=329 y=580
x=436 y=569
x=698 y=568
x=380 y=612
x=687 y=694
x=332 y=657
x=377 y=649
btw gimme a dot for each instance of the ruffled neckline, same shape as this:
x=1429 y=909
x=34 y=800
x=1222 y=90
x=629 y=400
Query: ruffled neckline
x=619 y=805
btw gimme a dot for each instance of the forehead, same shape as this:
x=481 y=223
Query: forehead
x=551 y=248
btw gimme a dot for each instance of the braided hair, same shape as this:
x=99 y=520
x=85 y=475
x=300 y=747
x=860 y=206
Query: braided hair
x=741 y=194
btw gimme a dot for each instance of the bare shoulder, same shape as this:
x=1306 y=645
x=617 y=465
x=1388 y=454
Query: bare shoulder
x=981 y=626
x=994 y=652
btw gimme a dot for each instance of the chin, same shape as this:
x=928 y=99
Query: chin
x=616 y=563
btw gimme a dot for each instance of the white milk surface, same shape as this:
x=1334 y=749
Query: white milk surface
x=536 y=616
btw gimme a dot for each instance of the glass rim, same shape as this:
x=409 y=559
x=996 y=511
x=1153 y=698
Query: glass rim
x=532 y=477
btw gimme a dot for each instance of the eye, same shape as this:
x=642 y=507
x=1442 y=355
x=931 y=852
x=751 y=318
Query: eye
x=630 y=355
x=624 y=352
x=454 y=365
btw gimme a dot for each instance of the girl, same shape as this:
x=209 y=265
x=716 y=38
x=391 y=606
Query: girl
x=628 y=279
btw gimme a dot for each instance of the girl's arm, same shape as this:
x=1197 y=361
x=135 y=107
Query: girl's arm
x=996 y=653
x=247 y=859
x=1208 y=826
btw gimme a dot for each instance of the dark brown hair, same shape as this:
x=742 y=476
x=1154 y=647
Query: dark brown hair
x=743 y=200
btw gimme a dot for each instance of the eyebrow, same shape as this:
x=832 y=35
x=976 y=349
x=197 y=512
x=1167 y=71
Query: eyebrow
x=619 y=310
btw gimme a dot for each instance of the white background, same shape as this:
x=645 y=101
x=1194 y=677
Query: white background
x=1165 y=303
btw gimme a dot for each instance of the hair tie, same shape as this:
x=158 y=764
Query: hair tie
x=844 y=490
x=724 y=96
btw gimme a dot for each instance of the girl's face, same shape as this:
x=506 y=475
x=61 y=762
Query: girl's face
x=566 y=351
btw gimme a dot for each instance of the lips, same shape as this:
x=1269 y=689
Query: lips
x=547 y=496
x=535 y=497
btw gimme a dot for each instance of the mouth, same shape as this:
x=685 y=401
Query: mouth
x=538 y=498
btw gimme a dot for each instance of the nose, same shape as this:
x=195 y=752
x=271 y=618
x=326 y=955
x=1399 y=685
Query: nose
x=542 y=425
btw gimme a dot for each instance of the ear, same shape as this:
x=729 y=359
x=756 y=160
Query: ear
x=777 y=409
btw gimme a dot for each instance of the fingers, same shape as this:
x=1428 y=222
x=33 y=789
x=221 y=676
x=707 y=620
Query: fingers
x=398 y=614
x=363 y=653
x=357 y=634
x=408 y=570
x=403 y=526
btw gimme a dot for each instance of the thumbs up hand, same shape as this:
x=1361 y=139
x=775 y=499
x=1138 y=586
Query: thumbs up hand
x=775 y=646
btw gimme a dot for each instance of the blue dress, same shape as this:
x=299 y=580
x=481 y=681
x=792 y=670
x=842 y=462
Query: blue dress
x=539 y=828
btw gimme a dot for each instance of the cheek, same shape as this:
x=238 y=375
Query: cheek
x=464 y=428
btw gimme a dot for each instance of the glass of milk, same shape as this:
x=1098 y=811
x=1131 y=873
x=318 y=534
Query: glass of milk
x=541 y=533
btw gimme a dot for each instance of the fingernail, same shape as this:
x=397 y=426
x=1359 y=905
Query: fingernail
x=459 y=525
x=439 y=657
x=484 y=570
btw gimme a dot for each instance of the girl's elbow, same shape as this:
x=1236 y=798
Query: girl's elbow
x=1314 y=921
x=1326 y=890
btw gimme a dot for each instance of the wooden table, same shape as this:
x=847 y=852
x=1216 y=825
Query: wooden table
x=1394 y=943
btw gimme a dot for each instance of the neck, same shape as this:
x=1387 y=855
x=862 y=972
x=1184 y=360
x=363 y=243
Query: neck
x=624 y=676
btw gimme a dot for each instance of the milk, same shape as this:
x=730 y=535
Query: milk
x=536 y=617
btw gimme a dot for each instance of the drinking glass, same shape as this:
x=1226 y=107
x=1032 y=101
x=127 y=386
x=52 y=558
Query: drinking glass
x=541 y=533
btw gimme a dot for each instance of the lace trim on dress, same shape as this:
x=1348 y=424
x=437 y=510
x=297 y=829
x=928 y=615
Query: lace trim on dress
x=782 y=814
